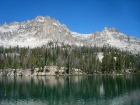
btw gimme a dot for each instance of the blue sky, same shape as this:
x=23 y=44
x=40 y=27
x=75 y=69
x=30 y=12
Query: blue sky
x=83 y=16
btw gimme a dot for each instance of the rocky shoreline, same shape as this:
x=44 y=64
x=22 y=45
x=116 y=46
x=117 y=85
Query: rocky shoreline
x=48 y=70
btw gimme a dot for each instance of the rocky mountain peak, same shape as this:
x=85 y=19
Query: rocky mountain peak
x=41 y=30
x=5 y=25
x=110 y=29
x=39 y=17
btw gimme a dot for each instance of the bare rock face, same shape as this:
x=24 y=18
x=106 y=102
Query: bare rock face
x=42 y=30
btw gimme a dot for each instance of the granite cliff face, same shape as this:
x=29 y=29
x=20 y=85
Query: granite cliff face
x=42 y=30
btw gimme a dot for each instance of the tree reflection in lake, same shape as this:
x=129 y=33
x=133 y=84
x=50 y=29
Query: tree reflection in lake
x=71 y=90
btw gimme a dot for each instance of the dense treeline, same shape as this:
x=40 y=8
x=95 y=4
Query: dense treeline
x=60 y=55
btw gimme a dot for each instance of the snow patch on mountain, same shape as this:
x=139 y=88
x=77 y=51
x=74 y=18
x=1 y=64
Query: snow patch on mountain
x=75 y=34
x=100 y=56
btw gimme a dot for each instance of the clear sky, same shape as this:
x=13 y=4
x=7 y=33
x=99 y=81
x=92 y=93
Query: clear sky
x=82 y=16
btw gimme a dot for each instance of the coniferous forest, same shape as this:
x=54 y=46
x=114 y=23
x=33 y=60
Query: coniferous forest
x=84 y=58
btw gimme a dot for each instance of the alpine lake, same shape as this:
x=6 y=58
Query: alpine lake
x=70 y=90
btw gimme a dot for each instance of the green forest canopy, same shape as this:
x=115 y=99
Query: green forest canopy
x=84 y=58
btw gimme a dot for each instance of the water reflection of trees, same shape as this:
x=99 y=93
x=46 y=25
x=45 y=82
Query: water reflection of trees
x=70 y=88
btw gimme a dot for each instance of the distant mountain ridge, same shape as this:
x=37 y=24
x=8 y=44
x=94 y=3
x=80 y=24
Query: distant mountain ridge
x=41 y=30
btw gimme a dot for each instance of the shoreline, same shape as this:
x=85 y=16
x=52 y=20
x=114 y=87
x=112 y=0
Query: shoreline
x=53 y=73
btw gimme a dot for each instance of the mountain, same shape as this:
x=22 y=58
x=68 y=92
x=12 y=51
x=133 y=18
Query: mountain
x=42 y=30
